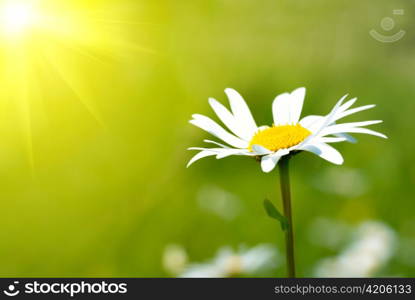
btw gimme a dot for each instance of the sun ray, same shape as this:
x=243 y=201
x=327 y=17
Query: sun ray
x=68 y=37
x=77 y=84
x=17 y=74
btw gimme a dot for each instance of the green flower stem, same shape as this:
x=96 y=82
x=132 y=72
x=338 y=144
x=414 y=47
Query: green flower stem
x=286 y=201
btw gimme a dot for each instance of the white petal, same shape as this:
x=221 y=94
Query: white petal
x=200 y=155
x=216 y=143
x=365 y=131
x=348 y=137
x=224 y=151
x=347 y=105
x=241 y=112
x=228 y=119
x=215 y=129
x=260 y=150
x=312 y=122
x=268 y=162
x=330 y=117
x=215 y=150
x=229 y=152
x=325 y=151
x=353 y=111
x=340 y=128
x=296 y=103
x=331 y=139
x=281 y=109
x=316 y=123
x=219 y=152
x=263 y=127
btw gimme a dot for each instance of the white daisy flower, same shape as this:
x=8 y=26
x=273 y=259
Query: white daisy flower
x=229 y=263
x=373 y=246
x=288 y=134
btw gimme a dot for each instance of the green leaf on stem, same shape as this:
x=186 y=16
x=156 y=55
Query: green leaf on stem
x=273 y=212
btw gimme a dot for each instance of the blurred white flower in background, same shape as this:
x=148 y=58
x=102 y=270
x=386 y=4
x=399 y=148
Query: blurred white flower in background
x=215 y=200
x=343 y=182
x=372 y=247
x=175 y=259
x=228 y=262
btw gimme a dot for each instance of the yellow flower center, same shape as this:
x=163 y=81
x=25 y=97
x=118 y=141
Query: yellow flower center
x=279 y=137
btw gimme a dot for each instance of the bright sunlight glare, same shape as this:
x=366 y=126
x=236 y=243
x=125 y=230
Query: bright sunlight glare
x=17 y=16
x=49 y=51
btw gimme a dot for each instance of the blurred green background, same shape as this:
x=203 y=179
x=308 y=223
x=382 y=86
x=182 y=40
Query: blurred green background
x=94 y=180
